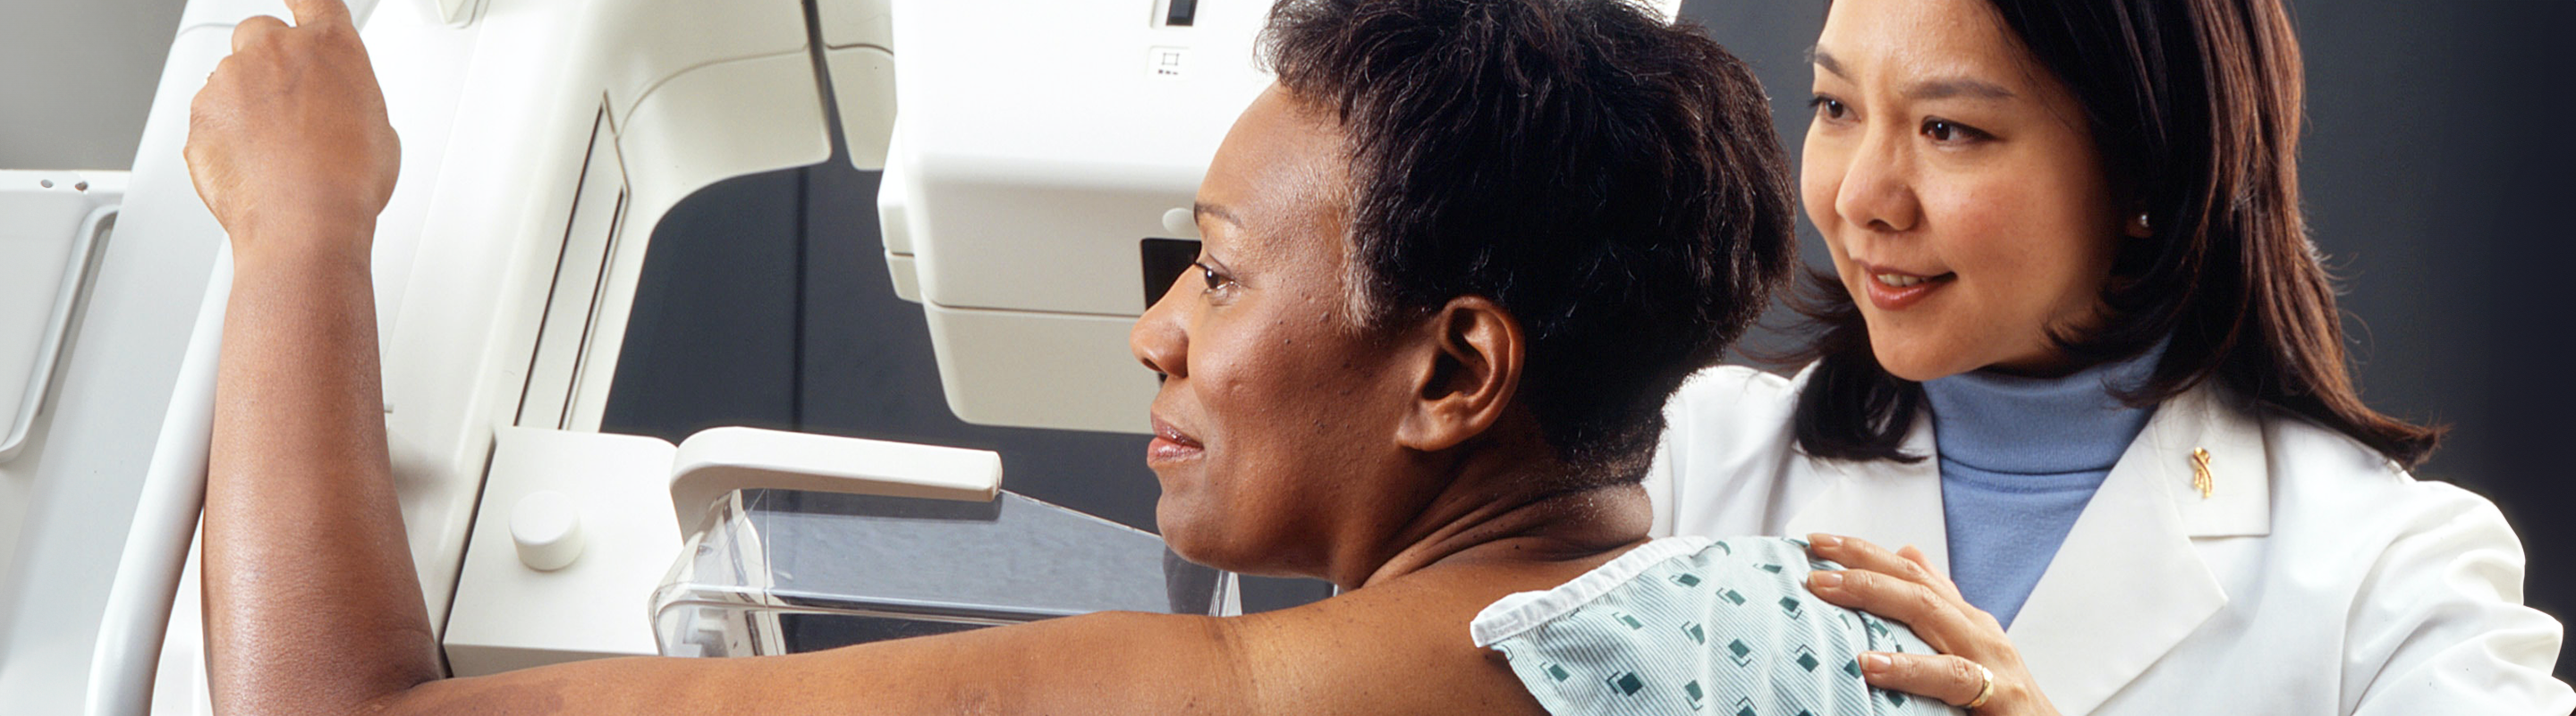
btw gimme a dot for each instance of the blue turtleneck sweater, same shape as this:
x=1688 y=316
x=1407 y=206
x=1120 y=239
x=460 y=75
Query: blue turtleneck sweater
x=2020 y=457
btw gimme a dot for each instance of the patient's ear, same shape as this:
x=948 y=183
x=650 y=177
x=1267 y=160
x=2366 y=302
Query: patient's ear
x=1473 y=372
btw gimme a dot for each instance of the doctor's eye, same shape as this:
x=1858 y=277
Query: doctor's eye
x=1828 y=107
x=1948 y=132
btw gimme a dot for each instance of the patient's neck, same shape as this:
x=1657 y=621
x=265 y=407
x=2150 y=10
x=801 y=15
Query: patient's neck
x=1503 y=505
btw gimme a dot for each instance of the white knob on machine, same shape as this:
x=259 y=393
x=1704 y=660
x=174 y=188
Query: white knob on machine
x=1183 y=223
x=547 y=527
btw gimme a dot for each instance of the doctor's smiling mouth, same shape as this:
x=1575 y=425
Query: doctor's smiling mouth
x=1893 y=290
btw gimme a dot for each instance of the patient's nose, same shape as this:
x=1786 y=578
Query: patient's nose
x=1160 y=338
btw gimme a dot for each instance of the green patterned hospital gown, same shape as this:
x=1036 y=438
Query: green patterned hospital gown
x=1687 y=625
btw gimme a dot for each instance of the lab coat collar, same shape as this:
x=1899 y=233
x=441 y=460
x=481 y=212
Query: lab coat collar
x=1892 y=504
x=2229 y=427
x=2129 y=560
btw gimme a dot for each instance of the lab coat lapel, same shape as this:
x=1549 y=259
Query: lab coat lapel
x=2239 y=503
x=2128 y=585
x=1889 y=503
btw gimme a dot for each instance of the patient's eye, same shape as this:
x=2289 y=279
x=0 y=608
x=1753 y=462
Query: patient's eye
x=1216 y=280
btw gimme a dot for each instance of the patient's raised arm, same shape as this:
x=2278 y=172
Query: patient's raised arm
x=305 y=561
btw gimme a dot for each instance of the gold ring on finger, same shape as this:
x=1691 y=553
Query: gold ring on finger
x=1983 y=692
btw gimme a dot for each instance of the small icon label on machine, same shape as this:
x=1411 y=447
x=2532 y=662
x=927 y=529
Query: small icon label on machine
x=1169 y=63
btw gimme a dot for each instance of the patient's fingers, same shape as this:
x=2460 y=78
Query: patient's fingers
x=289 y=144
x=256 y=29
x=317 y=13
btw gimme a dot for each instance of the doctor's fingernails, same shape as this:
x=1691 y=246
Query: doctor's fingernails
x=1826 y=579
x=1876 y=663
x=1821 y=539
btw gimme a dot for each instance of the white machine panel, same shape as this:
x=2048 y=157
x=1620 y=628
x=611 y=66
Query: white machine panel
x=591 y=606
x=1038 y=143
x=76 y=478
x=577 y=529
x=51 y=225
x=1057 y=112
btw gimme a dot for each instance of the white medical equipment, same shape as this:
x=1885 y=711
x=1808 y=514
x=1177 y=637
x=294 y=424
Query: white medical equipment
x=53 y=238
x=1033 y=152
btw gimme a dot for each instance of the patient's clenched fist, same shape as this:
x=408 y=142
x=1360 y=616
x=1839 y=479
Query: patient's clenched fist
x=288 y=143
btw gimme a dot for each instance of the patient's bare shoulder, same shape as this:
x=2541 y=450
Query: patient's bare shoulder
x=1399 y=647
x=1395 y=649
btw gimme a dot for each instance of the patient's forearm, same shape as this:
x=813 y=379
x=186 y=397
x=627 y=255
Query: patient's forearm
x=311 y=602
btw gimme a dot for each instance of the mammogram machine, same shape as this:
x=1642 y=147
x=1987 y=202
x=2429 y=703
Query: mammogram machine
x=1039 y=158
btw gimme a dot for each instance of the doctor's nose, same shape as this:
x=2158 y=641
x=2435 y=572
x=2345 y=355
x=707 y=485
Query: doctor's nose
x=1876 y=192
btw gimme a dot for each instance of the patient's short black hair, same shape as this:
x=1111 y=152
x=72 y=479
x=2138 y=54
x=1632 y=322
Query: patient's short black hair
x=1612 y=180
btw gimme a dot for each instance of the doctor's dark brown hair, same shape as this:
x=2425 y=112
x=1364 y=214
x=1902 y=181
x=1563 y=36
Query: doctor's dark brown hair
x=1613 y=181
x=2195 y=106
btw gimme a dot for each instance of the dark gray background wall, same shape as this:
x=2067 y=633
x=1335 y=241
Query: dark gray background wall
x=2435 y=173
x=76 y=79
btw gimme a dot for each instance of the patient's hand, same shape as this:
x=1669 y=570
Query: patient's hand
x=288 y=143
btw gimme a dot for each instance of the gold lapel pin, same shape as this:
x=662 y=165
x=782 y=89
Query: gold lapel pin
x=2200 y=472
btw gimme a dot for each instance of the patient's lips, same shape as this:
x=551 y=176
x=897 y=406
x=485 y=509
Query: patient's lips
x=1170 y=444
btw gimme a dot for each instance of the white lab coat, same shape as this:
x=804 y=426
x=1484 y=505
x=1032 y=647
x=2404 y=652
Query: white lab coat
x=2317 y=578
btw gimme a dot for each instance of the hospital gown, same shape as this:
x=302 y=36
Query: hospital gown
x=1687 y=625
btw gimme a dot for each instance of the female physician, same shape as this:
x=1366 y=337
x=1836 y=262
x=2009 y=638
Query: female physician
x=2081 y=355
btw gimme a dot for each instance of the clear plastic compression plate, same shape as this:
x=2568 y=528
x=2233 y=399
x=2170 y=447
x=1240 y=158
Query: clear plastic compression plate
x=781 y=572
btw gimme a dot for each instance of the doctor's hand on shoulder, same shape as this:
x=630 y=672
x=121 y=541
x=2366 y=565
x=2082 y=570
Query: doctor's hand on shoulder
x=288 y=144
x=1978 y=669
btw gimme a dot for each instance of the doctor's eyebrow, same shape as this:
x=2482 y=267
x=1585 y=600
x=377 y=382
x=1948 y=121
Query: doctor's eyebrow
x=1201 y=210
x=1816 y=56
x=1950 y=87
x=1941 y=88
